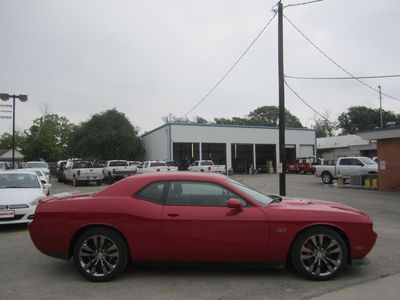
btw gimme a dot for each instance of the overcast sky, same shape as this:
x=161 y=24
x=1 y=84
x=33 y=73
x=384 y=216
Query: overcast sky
x=152 y=58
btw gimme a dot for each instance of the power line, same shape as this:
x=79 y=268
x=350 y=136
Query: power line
x=340 y=78
x=231 y=68
x=302 y=3
x=335 y=63
x=306 y=103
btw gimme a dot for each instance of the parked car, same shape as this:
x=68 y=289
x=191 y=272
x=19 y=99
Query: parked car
x=346 y=167
x=185 y=216
x=172 y=165
x=82 y=171
x=117 y=169
x=60 y=170
x=20 y=191
x=3 y=166
x=42 y=177
x=207 y=166
x=152 y=166
x=39 y=165
x=134 y=165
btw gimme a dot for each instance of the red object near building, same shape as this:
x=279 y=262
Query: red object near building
x=301 y=165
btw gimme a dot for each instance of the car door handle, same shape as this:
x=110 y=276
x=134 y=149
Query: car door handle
x=173 y=215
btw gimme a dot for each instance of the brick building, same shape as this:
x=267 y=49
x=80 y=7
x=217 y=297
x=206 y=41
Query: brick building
x=388 y=145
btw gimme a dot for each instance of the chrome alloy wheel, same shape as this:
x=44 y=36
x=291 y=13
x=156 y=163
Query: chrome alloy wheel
x=98 y=255
x=321 y=255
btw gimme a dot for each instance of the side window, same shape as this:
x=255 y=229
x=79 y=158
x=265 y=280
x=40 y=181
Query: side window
x=356 y=162
x=152 y=192
x=199 y=194
x=345 y=162
x=146 y=165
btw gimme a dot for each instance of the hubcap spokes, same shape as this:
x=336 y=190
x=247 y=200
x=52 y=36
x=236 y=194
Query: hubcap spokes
x=321 y=255
x=98 y=255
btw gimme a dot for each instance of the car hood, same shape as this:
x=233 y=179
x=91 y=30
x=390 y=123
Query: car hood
x=19 y=195
x=316 y=205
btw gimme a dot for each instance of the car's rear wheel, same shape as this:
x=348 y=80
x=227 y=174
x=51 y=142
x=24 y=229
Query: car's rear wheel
x=319 y=253
x=100 y=254
x=326 y=177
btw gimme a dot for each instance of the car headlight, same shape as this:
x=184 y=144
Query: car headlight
x=35 y=202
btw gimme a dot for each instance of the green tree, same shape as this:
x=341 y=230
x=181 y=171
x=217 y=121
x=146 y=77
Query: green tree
x=324 y=127
x=363 y=118
x=48 y=138
x=262 y=116
x=6 y=140
x=107 y=135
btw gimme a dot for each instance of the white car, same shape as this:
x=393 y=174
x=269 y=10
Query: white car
x=39 y=165
x=152 y=166
x=20 y=192
x=42 y=177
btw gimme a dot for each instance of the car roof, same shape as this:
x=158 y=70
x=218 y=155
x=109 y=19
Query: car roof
x=18 y=172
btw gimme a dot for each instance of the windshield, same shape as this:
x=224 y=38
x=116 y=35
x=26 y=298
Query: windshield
x=257 y=196
x=367 y=160
x=82 y=165
x=31 y=165
x=28 y=181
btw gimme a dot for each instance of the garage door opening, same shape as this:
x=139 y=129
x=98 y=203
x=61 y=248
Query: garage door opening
x=242 y=157
x=215 y=152
x=266 y=158
x=185 y=154
x=290 y=153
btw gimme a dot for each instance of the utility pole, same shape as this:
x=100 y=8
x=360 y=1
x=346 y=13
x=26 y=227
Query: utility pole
x=380 y=106
x=282 y=152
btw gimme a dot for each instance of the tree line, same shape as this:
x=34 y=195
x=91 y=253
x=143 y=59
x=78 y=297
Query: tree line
x=110 y=135
x=106 y=135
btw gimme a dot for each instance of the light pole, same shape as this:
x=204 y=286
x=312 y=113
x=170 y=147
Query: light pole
x=22 y=98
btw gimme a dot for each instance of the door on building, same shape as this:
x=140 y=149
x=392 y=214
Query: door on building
x=185 y=154
x=215 y=152
x=242 y=157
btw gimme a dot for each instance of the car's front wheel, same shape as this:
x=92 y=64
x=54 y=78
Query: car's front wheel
x=100 y=254
x=319 y=253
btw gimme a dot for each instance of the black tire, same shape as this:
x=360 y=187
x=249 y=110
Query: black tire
x=326 y=177
x=98 y=182
x=319 y=253
x=100 y=254
x=74 y=182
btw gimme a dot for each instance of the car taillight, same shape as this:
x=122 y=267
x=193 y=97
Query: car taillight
x=158 y=170
x=79 y=172
x=209 y=168
x=102 y=171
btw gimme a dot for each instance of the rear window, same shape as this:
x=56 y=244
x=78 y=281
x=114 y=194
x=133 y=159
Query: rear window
x=172 y=164
x=118 y=163
x=158 y=164
x=207 y=163
x=83 y=165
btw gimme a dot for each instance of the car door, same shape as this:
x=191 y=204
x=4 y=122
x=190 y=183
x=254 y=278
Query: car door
x=198 y=226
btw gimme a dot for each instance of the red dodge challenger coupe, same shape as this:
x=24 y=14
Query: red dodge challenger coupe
x=197 y=217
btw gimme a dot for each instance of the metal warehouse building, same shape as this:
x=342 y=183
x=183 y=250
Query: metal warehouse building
x=237 y=147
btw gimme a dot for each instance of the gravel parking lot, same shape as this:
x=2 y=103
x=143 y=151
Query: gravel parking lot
x=28 y=274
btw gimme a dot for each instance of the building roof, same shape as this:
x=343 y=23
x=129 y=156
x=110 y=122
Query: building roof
x=2 y=151
x=380 y=133
x=341 y=141
x=224 y=125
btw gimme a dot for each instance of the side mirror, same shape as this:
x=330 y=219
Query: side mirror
x=234 y=203
x=43 y=181
x=47 y=185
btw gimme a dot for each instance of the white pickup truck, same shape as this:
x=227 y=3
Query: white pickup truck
x=77 y=171
x=346 y=167
x=152 y=166
x=118 y=169
x=207 y=166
